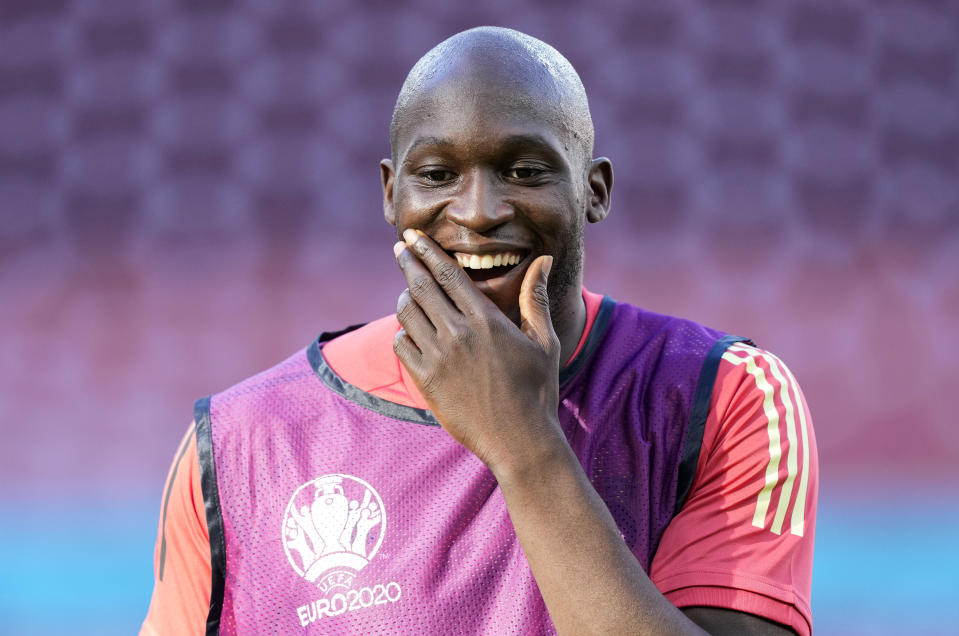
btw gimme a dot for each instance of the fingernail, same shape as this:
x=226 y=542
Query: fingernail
x=548 y=266
x=398 y=247
x=410 y=236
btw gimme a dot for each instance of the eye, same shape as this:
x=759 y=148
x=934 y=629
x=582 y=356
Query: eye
x=524 y=173
x=436 y=175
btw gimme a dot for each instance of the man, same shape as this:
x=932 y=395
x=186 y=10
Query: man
x=509 y=453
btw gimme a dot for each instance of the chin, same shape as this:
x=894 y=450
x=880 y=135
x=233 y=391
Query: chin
x=510 y=307
x=504 y=291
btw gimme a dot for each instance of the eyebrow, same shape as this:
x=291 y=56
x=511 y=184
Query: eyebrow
x=529 y=140
x=429 y=141
x=511 y=141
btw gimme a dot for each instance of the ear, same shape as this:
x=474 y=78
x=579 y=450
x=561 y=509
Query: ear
x=387 y=174
x=600 y=183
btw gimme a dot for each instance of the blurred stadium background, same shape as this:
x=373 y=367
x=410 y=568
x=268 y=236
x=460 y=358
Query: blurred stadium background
x=189 y=191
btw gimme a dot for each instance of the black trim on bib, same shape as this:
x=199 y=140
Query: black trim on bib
x=405 y=413
x=359 y=396
x=600 y=323
x=214 y=516
x=697 y=416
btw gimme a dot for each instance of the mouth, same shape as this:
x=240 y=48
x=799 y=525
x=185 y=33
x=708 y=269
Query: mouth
x=486 y=267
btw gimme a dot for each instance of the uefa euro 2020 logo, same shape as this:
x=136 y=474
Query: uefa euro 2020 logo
x=332 y=528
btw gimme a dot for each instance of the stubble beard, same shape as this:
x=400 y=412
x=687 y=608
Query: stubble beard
x=565 y=278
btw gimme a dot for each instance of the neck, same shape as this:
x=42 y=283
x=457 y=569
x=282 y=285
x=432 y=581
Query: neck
x=569 y=326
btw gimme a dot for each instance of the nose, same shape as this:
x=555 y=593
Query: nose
x=479 y=204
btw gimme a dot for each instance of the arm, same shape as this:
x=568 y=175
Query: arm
x=589 y=579
x=580 y=561
x=494 y=387
x=182 y=577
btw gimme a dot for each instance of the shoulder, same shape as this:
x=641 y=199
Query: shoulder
x=281 y=382
x=762 y=422
x=665 y=352
x=291 y=369
x=756 y=394
x=673 y=336
x=758 y=424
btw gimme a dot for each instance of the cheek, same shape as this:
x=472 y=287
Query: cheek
x=561 y=218
x=413 y=208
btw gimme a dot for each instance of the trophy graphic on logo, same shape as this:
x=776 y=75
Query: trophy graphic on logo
x=327 y=534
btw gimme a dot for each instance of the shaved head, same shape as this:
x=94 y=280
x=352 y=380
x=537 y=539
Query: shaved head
x=531 y=72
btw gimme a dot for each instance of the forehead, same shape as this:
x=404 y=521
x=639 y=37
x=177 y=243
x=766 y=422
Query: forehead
x=474 y=114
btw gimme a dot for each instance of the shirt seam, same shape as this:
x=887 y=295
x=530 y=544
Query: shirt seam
x=662 y=583
x=804 y=611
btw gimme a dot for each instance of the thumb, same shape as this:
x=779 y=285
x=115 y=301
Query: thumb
x=535 y=320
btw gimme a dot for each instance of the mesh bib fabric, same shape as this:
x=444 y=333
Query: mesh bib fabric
x=332 y=511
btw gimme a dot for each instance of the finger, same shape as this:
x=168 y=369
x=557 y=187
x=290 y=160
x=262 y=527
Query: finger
x=455 y=282
x=407 y=351
x=417 y=325
x=423 y=287
x=535 y=320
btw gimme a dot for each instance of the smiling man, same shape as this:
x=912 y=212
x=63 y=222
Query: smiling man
x=509 y=453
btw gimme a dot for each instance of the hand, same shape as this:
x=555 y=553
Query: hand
x=492 y=385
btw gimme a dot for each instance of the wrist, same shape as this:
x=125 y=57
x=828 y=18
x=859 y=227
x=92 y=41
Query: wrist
x=534 y=462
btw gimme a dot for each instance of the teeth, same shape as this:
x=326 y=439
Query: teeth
x=486 y=261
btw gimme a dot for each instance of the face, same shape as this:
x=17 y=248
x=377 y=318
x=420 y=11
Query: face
x=496 y=181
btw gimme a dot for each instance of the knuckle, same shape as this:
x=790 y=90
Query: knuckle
x=540 y=295
x=405 y=350
x=429 y=382
x=398 y=342
x=403 y=302
x=449 y=275
x=552 y=345
x=461 y=336
x=403 y=314
x=421 y=287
